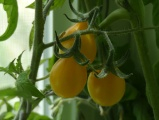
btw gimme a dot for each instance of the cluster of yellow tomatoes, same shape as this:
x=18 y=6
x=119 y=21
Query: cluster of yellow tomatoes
x=68 y=78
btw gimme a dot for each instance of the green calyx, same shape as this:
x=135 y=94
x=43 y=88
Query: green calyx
x=74 y=51
x=111 y=65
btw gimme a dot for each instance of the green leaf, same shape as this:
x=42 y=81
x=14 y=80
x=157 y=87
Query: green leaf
x=9 y=107
x=12 y=92
x=11 y=8
x=31 y=37
x=86 y=112
x=36 y=102
x=19 y=66
x=147 y=2
x=156 y=69
x=13 y=68
x=141 y=110
x=57 y=4
x=130 y=93
x=1 y=1
x=36 y=116
x=51 y=62
x=25 y=88
x=16 y=106
x=2 y=115
x=155 y=14
x=8 y=116
x=32 y=5
x=6 y=70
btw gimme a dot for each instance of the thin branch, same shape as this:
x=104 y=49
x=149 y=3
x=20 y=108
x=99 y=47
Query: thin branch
x=83 y=32
x=43 y=78
x=47 y=8
x=120 y=32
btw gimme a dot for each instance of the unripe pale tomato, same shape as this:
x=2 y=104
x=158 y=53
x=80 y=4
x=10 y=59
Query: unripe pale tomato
x=88 y=44
x=106 y=91
x=67 y=77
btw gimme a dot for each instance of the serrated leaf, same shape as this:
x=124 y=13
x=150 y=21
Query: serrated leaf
x=25 y=88
x=12 y=92
x=19 y=66
x=13 y=68
x=6 y=70
x=11 y=8
x=9 y=69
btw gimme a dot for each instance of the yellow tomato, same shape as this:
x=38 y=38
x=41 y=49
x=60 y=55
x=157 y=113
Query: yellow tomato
x=67 y=77
x=88 y=44
x=106 y=91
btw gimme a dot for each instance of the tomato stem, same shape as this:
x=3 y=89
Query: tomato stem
x=38 y=47
x=93 y=31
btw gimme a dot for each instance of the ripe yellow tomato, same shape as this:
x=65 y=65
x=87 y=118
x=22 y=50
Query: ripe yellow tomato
x=88 y=44
x=106 y=91
x=67 y=77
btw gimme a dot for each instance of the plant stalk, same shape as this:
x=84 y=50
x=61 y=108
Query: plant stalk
x=26 y=106
x=38 y=40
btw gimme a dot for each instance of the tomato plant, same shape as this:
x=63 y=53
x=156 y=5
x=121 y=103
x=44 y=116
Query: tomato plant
x=67 y=77
x=106 y=91
x=88 y=44
x=110 y=26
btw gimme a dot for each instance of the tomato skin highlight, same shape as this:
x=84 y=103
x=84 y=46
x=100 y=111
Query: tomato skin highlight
x=88 y=43
x=106 y=91
x=67 y=77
